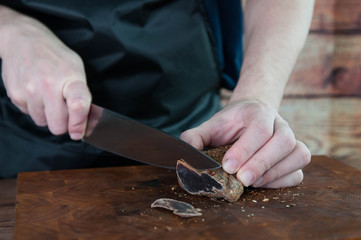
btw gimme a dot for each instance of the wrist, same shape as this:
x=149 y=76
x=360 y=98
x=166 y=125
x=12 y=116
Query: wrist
x=266 y=89
x=5 y=15
x=12 y=26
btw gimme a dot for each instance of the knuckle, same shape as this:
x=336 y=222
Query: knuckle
x=239 y=153
x=263 y=165
x=186 y=135
x=30 y=89
x=305 y=154
x=263 y=131
x=75 y=64
x=193 y=138
x=16 y=98
x=37 y=115
x=78 y=104
x=73 y=72
x=286 y=138
x=242 y=151
x=48 y=83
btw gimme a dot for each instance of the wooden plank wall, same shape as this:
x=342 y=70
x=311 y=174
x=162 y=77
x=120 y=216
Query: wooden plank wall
x=322 y=101
x=323 y=97
x=330 y=63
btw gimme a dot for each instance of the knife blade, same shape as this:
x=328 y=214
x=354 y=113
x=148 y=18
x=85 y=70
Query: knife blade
x=126 y=137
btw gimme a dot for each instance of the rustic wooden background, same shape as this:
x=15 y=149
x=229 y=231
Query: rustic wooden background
x=323 y=97
x=322 y=101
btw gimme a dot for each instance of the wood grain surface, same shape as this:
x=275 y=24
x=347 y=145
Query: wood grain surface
x=334 y=16
x=7 y=208
x=337 y=16
x=328 y=65
x=114 y=203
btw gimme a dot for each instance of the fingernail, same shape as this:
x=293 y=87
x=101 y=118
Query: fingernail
x=247 y=178
x=76 y=136
x=230 y=166
x=258 y=182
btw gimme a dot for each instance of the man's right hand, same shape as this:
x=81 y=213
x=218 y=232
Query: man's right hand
x=43 y=77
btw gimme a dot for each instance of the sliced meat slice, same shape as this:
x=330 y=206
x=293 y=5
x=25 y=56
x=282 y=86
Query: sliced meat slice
x=179 y=208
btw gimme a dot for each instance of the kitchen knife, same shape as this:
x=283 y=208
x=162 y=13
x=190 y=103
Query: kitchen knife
x=126 y=137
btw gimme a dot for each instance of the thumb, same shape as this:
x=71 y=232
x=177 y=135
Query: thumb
x=194 y=138
x=78 y=99
x=199 y=137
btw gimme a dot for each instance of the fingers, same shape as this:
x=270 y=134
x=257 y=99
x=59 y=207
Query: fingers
x=56 y=114
x=255 y=136
x=35 y=108
x=289 y=180
x=194 y=138
x=63 y=113
x=201 y=136
x=78 y=100
x=47 y=82
x=264 y=152
x=298 y=159
x=36 y=111
x=49 y=103
x=278 y=147
x=217 y=131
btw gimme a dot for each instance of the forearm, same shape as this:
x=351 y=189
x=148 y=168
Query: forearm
x=275 y=32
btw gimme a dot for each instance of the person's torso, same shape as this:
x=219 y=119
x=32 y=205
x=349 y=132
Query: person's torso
x=152 y=60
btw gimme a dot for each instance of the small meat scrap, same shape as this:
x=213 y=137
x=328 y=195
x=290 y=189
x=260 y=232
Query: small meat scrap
x=179 y=208
x=211 y=183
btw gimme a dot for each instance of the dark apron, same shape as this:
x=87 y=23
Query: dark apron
x=152 y=60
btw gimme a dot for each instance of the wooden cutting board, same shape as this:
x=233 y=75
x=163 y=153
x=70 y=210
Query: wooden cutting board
x=114 y=203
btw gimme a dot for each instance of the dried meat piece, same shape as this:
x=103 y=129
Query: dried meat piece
x=179 y=208
x=212 y=183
